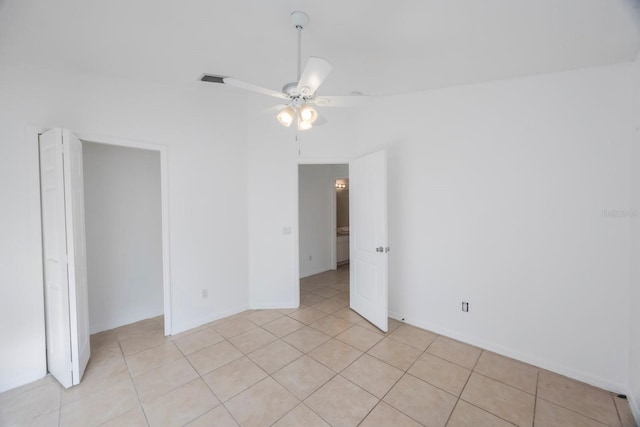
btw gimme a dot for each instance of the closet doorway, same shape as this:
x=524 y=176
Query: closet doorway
x=124 y=234
x=126 y=229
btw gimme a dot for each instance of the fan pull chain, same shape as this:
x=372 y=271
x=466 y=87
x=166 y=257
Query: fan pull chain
x=299 y=28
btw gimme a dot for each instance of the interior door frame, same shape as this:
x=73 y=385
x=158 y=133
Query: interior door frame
x=334 y=221
x=33 y=135
x=296 y=226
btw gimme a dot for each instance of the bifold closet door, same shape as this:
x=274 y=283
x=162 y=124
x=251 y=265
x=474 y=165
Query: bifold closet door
x=64 y=256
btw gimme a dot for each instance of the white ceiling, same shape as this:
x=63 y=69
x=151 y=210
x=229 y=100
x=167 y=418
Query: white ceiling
x=376 y=47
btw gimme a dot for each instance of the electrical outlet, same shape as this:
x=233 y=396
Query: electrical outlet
x=205 y=293
x=465 y=306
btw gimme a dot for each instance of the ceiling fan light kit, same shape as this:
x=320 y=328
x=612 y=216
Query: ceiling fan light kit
x=286 y=116
x=304 y=125
x=300 y=97
x=308 y=113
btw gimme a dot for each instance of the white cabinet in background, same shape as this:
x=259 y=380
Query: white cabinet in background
x=342 y=248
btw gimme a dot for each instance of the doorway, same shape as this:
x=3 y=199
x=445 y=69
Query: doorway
x=342 y=222
x=161 y=152
x=123 y=226
x=317 y=213
x=321 y=243
x=368 y=246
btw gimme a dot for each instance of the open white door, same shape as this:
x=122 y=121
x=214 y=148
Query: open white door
x=65 y=272
x=368 y=238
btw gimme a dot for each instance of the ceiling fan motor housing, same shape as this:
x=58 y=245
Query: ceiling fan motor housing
x=299 y=19
x=290 y=88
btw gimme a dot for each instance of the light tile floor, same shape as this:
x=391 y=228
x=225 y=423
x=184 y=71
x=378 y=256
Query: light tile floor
x=319 y=365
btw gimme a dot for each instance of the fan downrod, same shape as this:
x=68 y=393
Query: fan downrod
x=299 y=20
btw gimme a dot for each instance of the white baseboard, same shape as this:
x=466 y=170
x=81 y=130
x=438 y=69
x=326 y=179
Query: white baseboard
x=106 y=326
x=209 y=318
x=23 y=379
x=396 y=316
x=315 y=271
x=20 y=381
x=544 y=364
x=273 y=306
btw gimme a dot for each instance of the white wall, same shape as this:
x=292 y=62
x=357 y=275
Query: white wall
x=316 y=188
x=204 y=130
x=274 y=155
x=124 y=234
x=497 y=197
x=634 y=297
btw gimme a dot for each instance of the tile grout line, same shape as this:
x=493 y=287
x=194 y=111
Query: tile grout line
x=267 y=374
x=473 y=404
x=452 y=411
x=473 y=370
x=334 y=374
x=580 y=383
x=170 y=339
x=228 y=412
x=613 y=399
x=504 y=384
x=301 y=402
x=573 y=411
x=95 y=392
x=60 y=410
x=307 y=354
x=454 y=363
x=486 y=410
x=221 y=403
x=459 y=397
x=404 y=373
x=535 y=398
x=225 y=339
x=358 y=358
x=135 y=387
x=366 y=391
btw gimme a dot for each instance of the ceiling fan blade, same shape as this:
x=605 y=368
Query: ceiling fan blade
x=274 y=109
x=348 y=101
x=254 y=88
x=243 y=85
x=316 y=70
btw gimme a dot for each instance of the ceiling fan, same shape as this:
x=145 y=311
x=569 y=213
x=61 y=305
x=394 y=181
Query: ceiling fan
x=299 y=97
